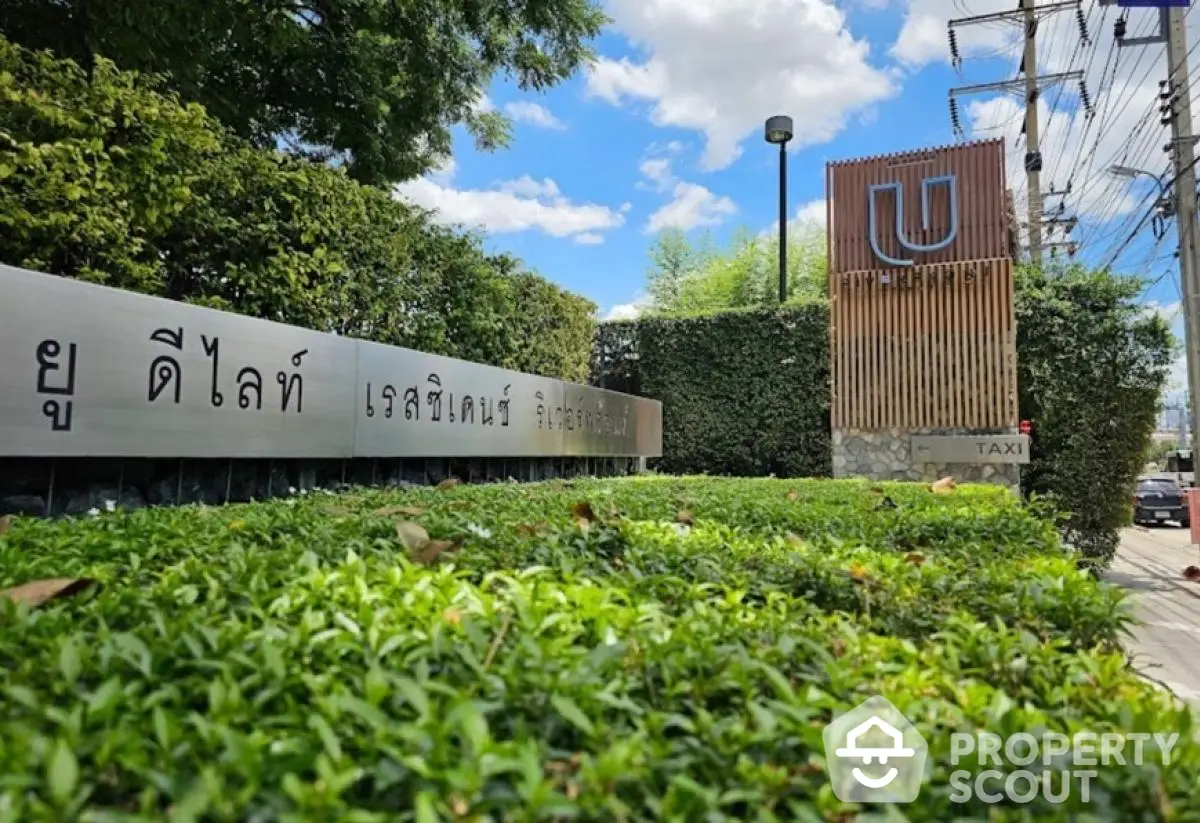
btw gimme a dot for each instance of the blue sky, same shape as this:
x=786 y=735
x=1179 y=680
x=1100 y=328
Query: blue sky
x=666 y=129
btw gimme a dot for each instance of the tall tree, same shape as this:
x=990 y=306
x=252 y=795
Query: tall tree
x=686 y=278
x=373 y=84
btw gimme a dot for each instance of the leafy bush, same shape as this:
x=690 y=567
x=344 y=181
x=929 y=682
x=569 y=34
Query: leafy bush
x=108 y=178
x=743 y=392
x=654 y=648
x=1092 y=365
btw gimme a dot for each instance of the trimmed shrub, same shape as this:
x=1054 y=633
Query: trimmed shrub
x=1092 y=364
x=653 y=648
x=744 y=392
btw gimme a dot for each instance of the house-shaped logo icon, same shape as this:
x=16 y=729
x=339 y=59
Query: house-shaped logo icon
x=874 y=754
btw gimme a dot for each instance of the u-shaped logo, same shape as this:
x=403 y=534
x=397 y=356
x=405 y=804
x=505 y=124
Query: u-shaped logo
x=947 y=180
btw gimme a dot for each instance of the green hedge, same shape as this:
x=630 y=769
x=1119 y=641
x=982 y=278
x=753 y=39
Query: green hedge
x=744 y=392
x=107 y=177
x=1092 y=365
x=643 y=649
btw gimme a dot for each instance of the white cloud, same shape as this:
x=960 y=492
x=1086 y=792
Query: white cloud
x=720 y=68
x=589 y=238
x=691 y=204
x=523 y=204
x=810 y=218
x=524 y=111
x=924 y=39
x=628 y=311
x=812 y=212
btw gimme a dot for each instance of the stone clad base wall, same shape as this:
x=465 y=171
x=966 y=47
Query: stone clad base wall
x=885 y=454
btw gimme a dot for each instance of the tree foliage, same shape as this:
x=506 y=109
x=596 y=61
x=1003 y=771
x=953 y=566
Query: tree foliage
x=686 y=278
x=374 y=83
x=1092 y=365
x=105 y=177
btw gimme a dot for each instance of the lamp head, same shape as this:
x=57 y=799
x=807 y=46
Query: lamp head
x=779 y=129
x=1123 y=171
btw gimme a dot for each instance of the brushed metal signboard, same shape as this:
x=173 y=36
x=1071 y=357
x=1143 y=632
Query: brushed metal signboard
x=970 y=449
x=94 y=371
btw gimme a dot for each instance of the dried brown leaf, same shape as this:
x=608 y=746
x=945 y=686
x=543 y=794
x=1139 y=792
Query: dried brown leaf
x=458 y=504
x=944 y=486
x=793 y=496
x=434 y=549
x=685 y=517
x=459 y=806
x=914 y=558
x=447 y=484
x=583 y=511
x=5 y=523
x=452 y=616
x=412 y=535
x=795 y=539
x=858 y=572
x=41 y=591
x=839 y=647
x=527 y=530
x=407 y=511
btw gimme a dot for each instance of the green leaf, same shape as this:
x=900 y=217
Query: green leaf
x=414 y=694
x=426 y=808
x=62 y=772
x=69 y=663
x=328 y=738
x=570 y=711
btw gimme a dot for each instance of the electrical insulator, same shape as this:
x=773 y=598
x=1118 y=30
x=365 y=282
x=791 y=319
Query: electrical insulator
x=1083 y=32
x=954 y=123
x=955 y=59
x=1119 y=28
x=1085 y=98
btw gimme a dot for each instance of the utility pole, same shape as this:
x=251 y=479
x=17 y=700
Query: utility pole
x=1033 y=152
x=1176 y=110
x=1178 y=106
x=1026 y=15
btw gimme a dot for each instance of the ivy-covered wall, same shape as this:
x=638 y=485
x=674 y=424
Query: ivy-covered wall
x=744 y=392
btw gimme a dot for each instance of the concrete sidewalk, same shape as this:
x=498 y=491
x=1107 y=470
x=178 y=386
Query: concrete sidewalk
x=1166 y=645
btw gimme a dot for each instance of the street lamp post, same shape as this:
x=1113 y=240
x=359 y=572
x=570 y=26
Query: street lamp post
x=1165 y=206
x=779 y=132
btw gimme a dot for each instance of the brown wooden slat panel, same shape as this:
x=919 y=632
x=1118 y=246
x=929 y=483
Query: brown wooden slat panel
x=930 y=347
x=983 y=214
